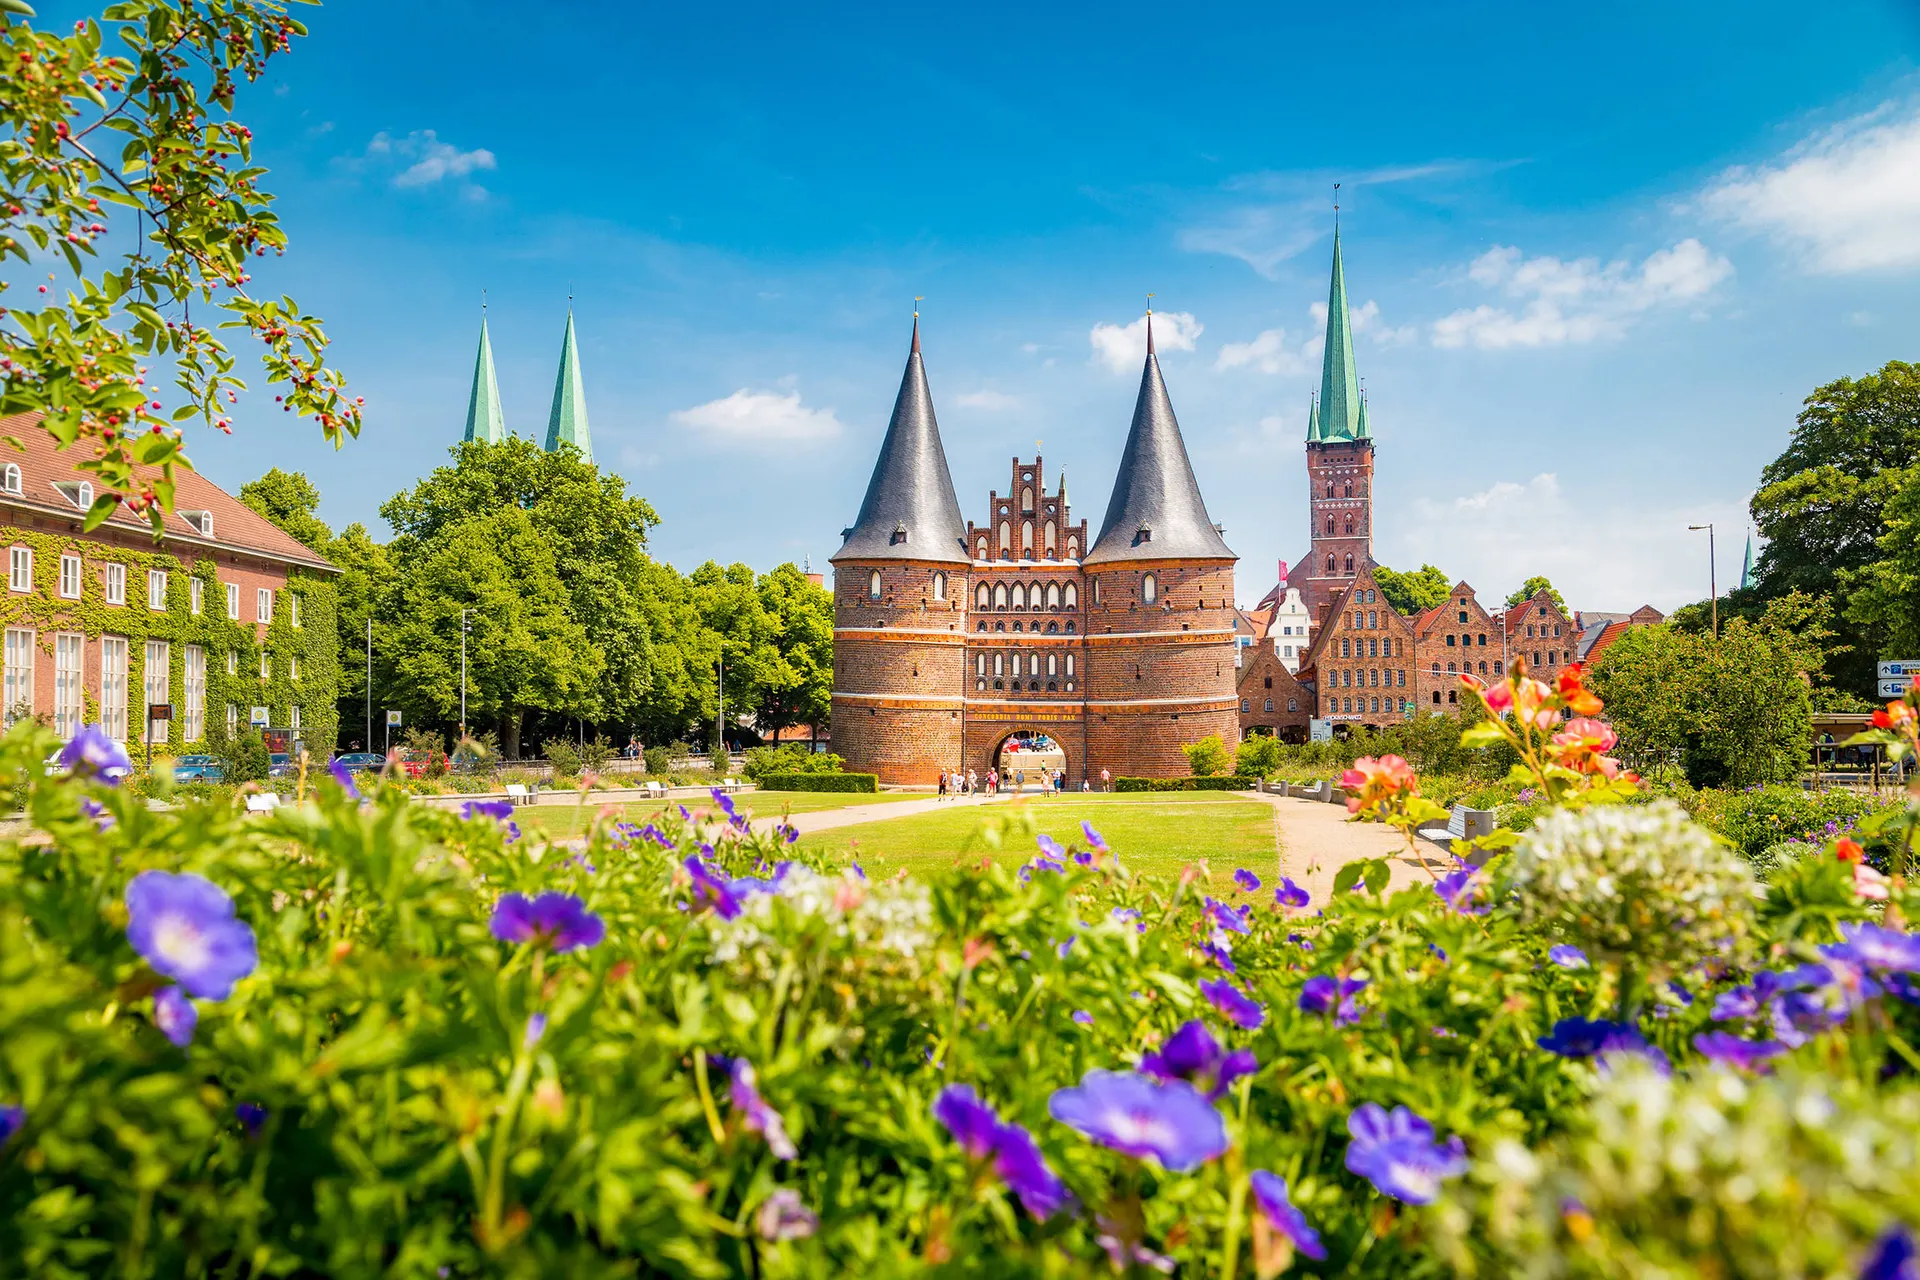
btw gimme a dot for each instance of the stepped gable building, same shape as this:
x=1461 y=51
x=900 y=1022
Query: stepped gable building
x=1451 y=640
x=953 y=638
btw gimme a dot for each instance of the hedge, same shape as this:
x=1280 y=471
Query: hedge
x=864 y=782
x=1218 y=782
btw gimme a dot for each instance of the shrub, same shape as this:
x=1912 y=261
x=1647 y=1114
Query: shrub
x=595 y=753
x=1226 y=782
x=659 y=761
x=245 y=757
x=1756 y=820
x=1208 y=756
x=861 y=782
x=791 y=758
x=720 y=761
x=1257 y=756
x=563 y=756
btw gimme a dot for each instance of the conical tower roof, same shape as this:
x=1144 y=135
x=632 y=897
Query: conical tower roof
x=1313 y=418
x=910 y=511
x=485 y=421
x=1339 y=384
x=568 y=420
x=1156 y=512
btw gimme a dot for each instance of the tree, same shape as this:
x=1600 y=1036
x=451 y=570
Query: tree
x=366 y=577
x=1532 y=587
x=1208 y=756
x=1415 y=592
x=802 y=618
x=1886 y=597
x=289 y=501
x=87 y=137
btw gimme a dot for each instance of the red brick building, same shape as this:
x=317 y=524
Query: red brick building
x=1361 y=663
x=1272 y=701
x=1454 y=639
x=224 y=614
x=952 y=637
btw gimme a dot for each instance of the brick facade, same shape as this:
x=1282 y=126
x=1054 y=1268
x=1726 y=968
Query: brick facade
x=1271 y=700
x=1361 y=665
x=1452 y=639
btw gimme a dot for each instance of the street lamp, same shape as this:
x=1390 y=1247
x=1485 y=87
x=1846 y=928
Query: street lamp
x=1713 y=583
x=463 y=672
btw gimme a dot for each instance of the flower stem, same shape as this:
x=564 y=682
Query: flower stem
x=706 y=1097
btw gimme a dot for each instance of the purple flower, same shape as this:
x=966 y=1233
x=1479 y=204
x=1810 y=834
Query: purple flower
x=710 y=890
x=498 y=810
x=1017 y=1160
x=755 y=1114
x=1138 y=1117
x=91 y=751
x=1582 y=1037
x=1290 y=895
x=725 y=802
x=1093 y=837
x=252 y=1115
x=1323 y=994
x=175 y=1015
x=788 y=832
x=536 y=1028
x=1893 y=1256
x=1732 y=1051
x=973 y=1124
x=1064 y=947
x=1125 y=1251
x=1800 y=1015
x=784 y=1216
x=1193 y=1055
x=1567 y=956
x=1234 y=1006
x=557 y=920
x=184 y=926
x=858 y=870
x=12 y=1120
x=1082 y=1017
x=1246 y=880
x=1270 y=1194
x=1219 y=949
x=98 y=812
x=1083 y=859
x=1881 y=950
x=1229 y=918
x=655 y=834
x=1051 y=848
x=344 y=776
x=1461 y=890
x=1397 y=1154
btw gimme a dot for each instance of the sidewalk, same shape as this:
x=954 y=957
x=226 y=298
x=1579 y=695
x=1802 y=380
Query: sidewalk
x=828 y=819
x=1316 y=840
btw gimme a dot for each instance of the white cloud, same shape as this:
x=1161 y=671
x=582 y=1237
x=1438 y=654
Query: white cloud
x=987 y=400
x=758 y=415
x=1268 y=353
x=1366 y=322
x=1263 y=238
x=1845 y=200
x=1123 y=347
x=429 y=160
x=1579 y=301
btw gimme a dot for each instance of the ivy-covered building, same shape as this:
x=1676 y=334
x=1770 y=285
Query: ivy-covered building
x=226 y=619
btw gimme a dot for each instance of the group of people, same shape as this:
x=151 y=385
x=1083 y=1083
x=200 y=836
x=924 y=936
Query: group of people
x=969 y=782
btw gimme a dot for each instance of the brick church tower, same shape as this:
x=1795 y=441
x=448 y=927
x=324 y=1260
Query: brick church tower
x=1339 y=466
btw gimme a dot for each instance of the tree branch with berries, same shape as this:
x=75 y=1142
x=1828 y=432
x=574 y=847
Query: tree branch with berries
x=184 y=175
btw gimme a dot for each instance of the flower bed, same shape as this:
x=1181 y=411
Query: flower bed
x=359 y=1037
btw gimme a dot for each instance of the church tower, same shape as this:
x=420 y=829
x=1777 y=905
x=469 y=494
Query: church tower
x=1339 y=464
x=485 y=421
x=568 y=420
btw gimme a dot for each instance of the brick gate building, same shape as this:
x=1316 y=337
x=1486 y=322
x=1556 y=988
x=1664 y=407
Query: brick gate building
x=951 y=636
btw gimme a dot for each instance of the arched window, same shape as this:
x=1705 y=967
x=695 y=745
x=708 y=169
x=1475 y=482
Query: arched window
x=1436 y=697
x=1482 y=640
x=1346 y=647
x=1293 y=704
x=983 y=598
x=1329 y=564
x=1329 y=525
x=1069 y=626
x=1052 y=627
x=1026 y=535
x=1245 y=706
x=1019 y=598
x=873 y=586
x=1329 y=488
x=1073 y=548
x=999 y=664
x=1149 y=589
x=1436 y=668
x=11 y=481
x=1373 y=620
x=1450 y=669
x=1269 y=683
x=1349 y=562
x=939 y=586
x=980 y=664
x=1000 y=596
x=1006 y=539
x=1269 y=706
x=1376 y=705
x=1349 y=526
x=1053 y=595
x=1050 y=535
x=1026 y=497
x=1069 y=666
x=1453 y=696
x=1496 y=667
x=983 y=550
x=1053 y=664
x=1070 y=597
x=1349 y=489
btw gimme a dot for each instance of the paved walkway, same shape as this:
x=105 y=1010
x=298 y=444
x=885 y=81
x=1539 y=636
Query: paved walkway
x=827 y=819
x=1316 y=840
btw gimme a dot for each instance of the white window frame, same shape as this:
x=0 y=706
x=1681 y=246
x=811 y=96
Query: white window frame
x=233 y=662
x=10 y=479
x=19 y=673
x=293 y=718
x=116 y=580
x=266 y=668
x=293 y=611
x=233 y=601
x=939 y=586
x=157 y=590
x=69 y=576
x=20 y=569
x=69 y=675
x=196 y=596
x=194 y=720
x=293 y=668
x=113 y=686
x=156 y=676
x=233 y=719
x=263 y=604
x=1149 y=589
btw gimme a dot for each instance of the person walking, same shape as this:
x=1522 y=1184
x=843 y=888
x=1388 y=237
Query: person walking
x=973 y=781
x=940 y=788
x=1106 y=780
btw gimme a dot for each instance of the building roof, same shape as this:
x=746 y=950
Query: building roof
x=485 y=419
x=1156 y=511
x=1340 y=413
x=236 y=526
x=1253 y=621
x=568 y=420
x=910 y=511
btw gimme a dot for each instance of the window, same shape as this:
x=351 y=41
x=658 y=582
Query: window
x=1006 y=539
x=999 y=664
x=1051 y=544
x=1026 y=537
x=233 y=663
x=1019 y=597
x=1496 y=666
x=981 y=551
x=980 y=664
x=70 y=577
x=68 y=665
x=113 y=686
x=983 y=598
x=1053 y=595
x=11 y=480
x=83 y=496
x=293 y=603
x=293 y=668
x=1026 y=498
x=19 y=674
x=1069 y=666
x=1373 y=620
x=1346 y=647
x=157 y=589
x=159 y=681
x=196 y=596
x=1245 y=706
x=1073 y=548
x=873 y=585
x=194 y=720
x=1329 y=564
x=1053 y=664
x=263 y=600
x=1269 y=705
x=233 y=601
x=293 y=718
x=1000 y=596
x=1449 y=642
x=1149 y=589
x=1349 y=562
x=1482 y=641
x=1329 y=525
x=116 y=584
x=1293 y=704
x=939 y=593
x=1070 y=597
x=233 y=719
x=20 y=569
x=266 y=669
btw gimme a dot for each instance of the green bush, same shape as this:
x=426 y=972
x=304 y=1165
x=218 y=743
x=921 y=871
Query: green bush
x=1756 y=820
x=1256 y=757
x=564 y=756
x=791 y=758
x=1225 y=782
x=245 y=757
x=861 y=782
x=659 y=761
x=595 y=753
x=1208 y=756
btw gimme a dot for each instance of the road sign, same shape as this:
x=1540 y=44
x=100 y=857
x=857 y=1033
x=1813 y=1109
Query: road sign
x=393 y=719
x=1320 y=730
x=257 y=716
x=1888 y=670
x=1896 y=687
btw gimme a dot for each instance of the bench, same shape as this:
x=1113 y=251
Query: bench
x=655 y=791
x=729 y=784
x=263 y=802
x=517 y=794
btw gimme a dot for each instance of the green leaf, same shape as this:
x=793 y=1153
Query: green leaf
x=1376 y=873
x=1348 y=876
x=1484 y=734
x=103 y=506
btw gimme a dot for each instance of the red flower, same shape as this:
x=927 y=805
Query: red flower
x=1847 y=850
x=1573 y=691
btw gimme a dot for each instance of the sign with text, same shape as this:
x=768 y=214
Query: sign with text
x=1896 y=687
x=1891 y=670
x=257 y=716
x=1320 y=731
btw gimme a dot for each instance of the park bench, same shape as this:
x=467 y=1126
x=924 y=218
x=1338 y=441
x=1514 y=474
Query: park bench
x=517 y=794
x=263 y=802
x=655 y=791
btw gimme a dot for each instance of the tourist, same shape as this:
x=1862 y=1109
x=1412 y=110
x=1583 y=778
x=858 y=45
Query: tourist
x=940 y=787
x=973 y=781
x=1106 y=780
x=1019 y=782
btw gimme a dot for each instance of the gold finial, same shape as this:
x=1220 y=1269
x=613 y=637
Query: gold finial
x=917 y=299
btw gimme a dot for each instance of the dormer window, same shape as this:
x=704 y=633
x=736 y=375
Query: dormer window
x=78 y=492
x=1143 y=534
x=899 y=534
x=202 y=522
x=10 y=478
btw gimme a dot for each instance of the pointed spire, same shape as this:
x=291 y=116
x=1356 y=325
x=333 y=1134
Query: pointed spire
x=1063 y=488
x=1313 y=417
x=910 y=511
x=1746 y=569
x=1156 y=511
x=1339 y=385
x=485 y=421
x=568 y=420
x=1362 y=432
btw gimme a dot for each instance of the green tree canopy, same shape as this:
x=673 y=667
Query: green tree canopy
x=1532 y=587
x=1414 y=592
x=289 y=500
x=1886 y=598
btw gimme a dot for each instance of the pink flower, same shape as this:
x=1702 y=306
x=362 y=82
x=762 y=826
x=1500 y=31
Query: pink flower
x=1868 y=883
x=1373 y=781
x=1499 y=697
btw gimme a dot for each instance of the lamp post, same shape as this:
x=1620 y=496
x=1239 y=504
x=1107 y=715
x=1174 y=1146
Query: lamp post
x=369 y=681
x=720 y=717
x=463 y=673
x=1713 y=583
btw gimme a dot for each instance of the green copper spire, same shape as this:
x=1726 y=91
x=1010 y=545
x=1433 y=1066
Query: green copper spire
x=1339 y=385
x=1746 y=569
x=568 y=421
x=1361 y=432
x=1313 y=419
x=484 y=419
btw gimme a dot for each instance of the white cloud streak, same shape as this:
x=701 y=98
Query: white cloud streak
x=758 y=415
x=987 y=400
x=428 y=160
x=1845 y=200
x=1556 y=302
x=1123 y=348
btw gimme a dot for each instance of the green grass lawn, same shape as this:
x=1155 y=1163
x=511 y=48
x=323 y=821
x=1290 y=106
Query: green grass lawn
x=561 y=821
x=1158 y=834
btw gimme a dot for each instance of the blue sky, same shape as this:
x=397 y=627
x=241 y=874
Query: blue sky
x=1600 y=253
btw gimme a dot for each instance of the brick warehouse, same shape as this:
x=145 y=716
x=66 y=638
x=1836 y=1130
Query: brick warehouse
x=950 y=636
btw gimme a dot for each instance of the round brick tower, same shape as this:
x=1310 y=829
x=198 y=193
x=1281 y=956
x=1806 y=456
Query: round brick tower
x=899 y=599
x=1159 y=627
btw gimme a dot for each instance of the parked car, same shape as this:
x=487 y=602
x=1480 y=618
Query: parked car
x=361 y=761
x=416 y=763
x=279 y=765
x=198 y=769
